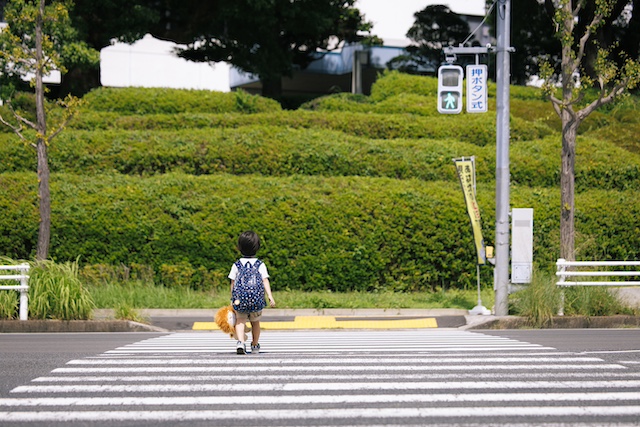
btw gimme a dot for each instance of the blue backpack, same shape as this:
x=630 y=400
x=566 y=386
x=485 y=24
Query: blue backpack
x=247 y=295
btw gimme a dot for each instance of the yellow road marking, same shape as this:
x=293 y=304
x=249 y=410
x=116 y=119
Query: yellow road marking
x=330 y=322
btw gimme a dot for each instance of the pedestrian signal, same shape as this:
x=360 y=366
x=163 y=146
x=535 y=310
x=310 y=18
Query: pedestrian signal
x=450 y=79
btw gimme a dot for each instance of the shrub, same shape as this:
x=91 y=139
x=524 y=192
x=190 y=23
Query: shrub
x=592 y=301
x=335 y=233
x=281 y=151
x=56 y=292
x=9 y=304
x=394 y=83
x=170 y=101
x=339 y=102
x=539 y=301
x=124 y=311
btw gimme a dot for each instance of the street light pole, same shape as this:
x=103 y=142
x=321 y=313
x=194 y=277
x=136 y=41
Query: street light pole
x=503 y=73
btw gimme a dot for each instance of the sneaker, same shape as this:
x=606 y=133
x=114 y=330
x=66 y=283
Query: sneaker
x=255 y=349
x=240 y=348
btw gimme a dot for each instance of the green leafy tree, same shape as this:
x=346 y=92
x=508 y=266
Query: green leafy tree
x=617 y=33
x=571 y=102
x=435 y=28
x=533 y=35
x=37 y=40
x=267 y=38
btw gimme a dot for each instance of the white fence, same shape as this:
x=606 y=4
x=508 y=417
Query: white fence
x=21 y=276
x=593 y=269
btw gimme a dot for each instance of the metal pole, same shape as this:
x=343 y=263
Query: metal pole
x=356 y=73
x=503 y=73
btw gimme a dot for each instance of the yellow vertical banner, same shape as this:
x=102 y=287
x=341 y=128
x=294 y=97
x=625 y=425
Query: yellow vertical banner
x=467 y=174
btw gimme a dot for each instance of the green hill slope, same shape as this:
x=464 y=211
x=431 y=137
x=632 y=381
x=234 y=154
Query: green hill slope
x=348 y=193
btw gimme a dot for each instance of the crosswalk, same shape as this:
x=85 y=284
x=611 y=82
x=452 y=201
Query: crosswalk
x=332 y=378
x=329 y=341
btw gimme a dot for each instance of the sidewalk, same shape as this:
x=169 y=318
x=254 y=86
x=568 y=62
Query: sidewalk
x=168 y=320
x=283 y=319
x=354 y=319
x=279 y=319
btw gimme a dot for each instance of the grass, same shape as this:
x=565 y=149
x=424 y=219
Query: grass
x=125 y=312
x=540 y=301
x=9 y=304
x=134 y=295
x=56 y=292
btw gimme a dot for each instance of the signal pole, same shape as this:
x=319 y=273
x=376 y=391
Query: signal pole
x=503 y=74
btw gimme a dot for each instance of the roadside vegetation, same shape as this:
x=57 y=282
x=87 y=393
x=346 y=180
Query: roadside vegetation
x=136 y=295
x=355 y=197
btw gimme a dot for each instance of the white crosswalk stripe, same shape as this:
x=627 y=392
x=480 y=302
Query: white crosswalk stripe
x=331 y=341
x=332 y=378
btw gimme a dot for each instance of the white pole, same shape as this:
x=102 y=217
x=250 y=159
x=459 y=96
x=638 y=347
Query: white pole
x=24 y=293
x=478 y=309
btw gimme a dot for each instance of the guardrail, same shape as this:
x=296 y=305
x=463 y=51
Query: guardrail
x=22 y=270
x=563 y=273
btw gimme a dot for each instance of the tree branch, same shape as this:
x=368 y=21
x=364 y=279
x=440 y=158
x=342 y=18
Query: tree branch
x=579 y=5
x=615 y=91
x=60 y=127
x=16 y=129
x=22 y=119
x=556 y=104
x=577 y=99
x=597 y=19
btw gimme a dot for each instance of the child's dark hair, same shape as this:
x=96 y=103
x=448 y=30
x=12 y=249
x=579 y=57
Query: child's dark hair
x=248 y=243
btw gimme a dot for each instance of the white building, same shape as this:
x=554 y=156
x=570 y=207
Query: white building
x=150 y=62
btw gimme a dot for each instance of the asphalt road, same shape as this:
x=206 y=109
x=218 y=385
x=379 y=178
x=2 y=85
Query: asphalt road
x=27 y=356
x=443 y=377
x=579 y=340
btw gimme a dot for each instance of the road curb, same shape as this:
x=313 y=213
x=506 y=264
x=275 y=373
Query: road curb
x=50 y=326
x=560 y=322
x=468 y=322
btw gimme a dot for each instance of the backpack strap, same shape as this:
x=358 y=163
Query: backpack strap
x=248 y=264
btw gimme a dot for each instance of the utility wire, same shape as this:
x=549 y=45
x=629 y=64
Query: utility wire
x=481 y=23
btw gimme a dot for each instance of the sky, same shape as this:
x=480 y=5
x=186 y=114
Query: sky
x=393 y=18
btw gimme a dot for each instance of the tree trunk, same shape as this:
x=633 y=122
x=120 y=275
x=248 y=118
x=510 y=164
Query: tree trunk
x=570 y=123
x=567 y=187
x=44 y=197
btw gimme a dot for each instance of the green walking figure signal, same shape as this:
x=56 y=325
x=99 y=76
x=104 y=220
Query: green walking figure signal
x=450 y=78
x=450 y=102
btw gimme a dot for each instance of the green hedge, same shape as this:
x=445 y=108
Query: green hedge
x=136 y=100
x=281 y=151
x=479 y=129
x=344 y=233
x=393 y=83
x=266 y=150
x=318 y=233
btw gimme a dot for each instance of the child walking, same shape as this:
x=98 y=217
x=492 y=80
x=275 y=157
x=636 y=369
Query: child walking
x=249 y=283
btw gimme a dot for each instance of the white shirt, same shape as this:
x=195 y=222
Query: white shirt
x=262 y=269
